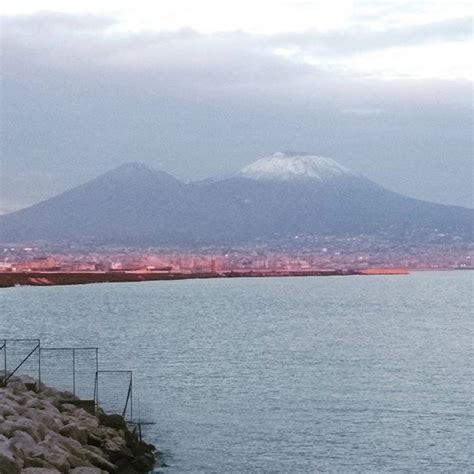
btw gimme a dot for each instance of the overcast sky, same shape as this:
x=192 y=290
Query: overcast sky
x=202 y=88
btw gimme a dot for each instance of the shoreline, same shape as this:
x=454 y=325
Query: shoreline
x=55 y=278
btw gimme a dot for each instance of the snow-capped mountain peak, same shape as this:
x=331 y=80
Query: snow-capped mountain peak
x=286 y=166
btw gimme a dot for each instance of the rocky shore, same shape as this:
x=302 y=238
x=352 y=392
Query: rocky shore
x=45 y=432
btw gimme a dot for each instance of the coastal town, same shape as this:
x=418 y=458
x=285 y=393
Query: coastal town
x=302 y=253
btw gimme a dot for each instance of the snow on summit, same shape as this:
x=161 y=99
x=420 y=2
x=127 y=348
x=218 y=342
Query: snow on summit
x=289 y=166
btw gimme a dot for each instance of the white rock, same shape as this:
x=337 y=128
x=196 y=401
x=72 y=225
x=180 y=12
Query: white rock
x=75 y=431
x=99 y=461
x=9 y=464
x=7 y=410
x=23 y=443
x=9 y=427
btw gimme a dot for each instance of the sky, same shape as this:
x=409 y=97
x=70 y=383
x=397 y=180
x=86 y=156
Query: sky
x=201 y=89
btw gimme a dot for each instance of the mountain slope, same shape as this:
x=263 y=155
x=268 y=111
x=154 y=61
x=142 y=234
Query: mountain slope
x=128 y=203
x=277 y=196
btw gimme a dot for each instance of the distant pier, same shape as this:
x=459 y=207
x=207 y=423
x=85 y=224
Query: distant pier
x=47 y=278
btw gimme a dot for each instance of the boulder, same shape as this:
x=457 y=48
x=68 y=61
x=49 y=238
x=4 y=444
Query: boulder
x=67 y=407
x=75 y=461
x=75 y=431
x=37 y=462
x=45 y=419
x=6 y=409
x=57 y=460
x=9 y=464
x=49 y=393
x=39 y=470
x=42 y=405
x=86 y=470
x=99 y=461
x=144 y=462
x=23 y=444
x=69 y=445
x=16 y=386
x=9 y=427
x=112 y=421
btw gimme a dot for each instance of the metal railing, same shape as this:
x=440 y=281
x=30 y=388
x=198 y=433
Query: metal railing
x=17 y=353
x=109 y=381
x=72 y=369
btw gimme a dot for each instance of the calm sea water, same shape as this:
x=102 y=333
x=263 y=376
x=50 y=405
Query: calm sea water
x=337 y=374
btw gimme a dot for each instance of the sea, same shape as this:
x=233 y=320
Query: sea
x=280 y=375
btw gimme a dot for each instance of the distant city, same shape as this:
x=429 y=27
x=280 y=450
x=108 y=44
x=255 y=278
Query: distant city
x=301 y=253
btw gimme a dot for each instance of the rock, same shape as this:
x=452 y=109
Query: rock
x=7 y=410
x=143 y=463
x=58 y=460
x=94 y=440
x=124 y=466
x=116 y=452
x=49 y=393
x=39 y=433
x=37 y=462
x=17 y=386
x=42 y=405
x=75 y=461
x=67 y=407
x=112 y=421
x=99 y=461
x=9 y=464
x=86 y=470
x=24 y=445
x=94 y=449
x=39 y=470
x=75 y=431
x=80 y=413
x=68 y=396
x=29 y=382
x=69 y=445
x=9 y=427
x=43 y=418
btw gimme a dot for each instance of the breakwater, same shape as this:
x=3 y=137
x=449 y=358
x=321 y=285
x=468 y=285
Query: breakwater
x=44 y=428
x=47 y=278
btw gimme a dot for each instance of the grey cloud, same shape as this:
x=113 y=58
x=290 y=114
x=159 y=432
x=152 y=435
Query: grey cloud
x=231 y=65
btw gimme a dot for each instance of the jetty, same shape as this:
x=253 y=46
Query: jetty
x=50 y=430
x=52 y=278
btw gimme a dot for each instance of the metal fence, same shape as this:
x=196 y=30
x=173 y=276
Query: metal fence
x=20 y=357
x=71 y=369
x=110 y=383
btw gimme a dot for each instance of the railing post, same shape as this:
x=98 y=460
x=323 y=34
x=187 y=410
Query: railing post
x=96 y=389
x=73 y=371
x=131 y=396
x=39 y=364
x=5 y=362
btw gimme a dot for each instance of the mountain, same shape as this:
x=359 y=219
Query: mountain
x=276 y=197
x=128 y=203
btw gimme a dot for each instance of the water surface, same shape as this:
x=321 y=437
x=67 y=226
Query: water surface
x=316 y=374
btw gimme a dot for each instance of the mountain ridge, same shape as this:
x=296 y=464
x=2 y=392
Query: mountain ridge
x=298 y=193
